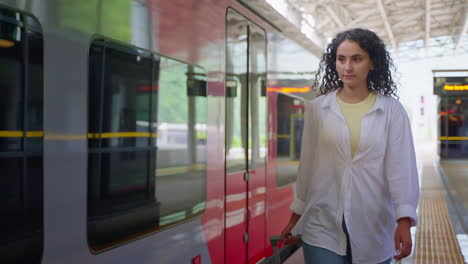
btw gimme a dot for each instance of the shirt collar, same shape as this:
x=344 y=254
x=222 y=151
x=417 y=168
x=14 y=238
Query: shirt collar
x=331 y=102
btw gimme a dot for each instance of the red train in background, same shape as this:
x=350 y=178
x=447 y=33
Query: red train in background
x=146 y=131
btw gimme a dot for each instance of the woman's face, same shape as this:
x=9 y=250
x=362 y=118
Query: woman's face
x=352 y=64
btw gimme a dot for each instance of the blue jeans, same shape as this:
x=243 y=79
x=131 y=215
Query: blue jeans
x=317 y=255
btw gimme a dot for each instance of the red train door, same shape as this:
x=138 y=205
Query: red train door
x=246 y=142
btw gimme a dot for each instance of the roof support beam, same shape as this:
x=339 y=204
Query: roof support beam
x=323 y=22
x=355 y=22
x=428 y=26
x=414 y=17
x=387 y=24
x=334 y=16
x=364 y=15
x=312 y=33
x=462 y=33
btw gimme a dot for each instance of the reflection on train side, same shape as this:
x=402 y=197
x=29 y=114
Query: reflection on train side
x=21 y=138
x=147 y=118
x=290 y=122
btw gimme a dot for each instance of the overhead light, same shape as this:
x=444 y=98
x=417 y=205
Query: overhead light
x=5 y=43
x=456 y=87
x=304 y=89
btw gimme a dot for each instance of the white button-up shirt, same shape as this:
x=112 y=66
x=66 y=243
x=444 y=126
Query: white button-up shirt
x=371 y=191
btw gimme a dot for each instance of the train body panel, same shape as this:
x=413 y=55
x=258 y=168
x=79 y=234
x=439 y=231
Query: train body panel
x=238 y=215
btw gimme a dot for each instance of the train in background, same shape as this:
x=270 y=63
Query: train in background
x=453 y=109
x=149 y=131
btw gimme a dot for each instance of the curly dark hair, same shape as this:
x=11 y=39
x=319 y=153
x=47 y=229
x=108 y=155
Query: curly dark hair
x=379 y=79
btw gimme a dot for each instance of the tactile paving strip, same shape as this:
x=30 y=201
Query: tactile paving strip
x=435 y=238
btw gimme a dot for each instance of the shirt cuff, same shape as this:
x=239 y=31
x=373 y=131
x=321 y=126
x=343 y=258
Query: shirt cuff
x=407 y=210
x=297 y=206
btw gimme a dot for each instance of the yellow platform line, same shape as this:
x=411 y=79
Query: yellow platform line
x=179 y=169
x=435 y=237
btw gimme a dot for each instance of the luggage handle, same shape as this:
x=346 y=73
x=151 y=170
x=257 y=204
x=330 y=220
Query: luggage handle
x=274 y=239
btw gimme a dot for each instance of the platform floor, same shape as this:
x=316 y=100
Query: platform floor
x=440 y=236
x=436 y=240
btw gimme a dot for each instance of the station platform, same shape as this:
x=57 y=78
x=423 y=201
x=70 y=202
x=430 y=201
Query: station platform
x=440 y=236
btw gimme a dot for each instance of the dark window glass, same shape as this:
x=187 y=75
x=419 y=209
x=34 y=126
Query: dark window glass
x=457 y=105
x=290 y=123
x=147 y=141
x=12 y=64
x=453 y=125
x=21 y=138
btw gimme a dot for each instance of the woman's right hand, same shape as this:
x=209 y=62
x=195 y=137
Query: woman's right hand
x=287 y=238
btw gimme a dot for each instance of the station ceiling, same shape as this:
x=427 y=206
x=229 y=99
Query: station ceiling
x=411 y=28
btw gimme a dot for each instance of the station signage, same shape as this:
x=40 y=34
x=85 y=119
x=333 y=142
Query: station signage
x=451 y=85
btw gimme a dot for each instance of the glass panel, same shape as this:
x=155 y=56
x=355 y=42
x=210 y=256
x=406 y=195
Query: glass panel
x=457 y=125
x=147 y=141
x=290 y=122
x=11 y=82
x=236 y=93
x=95 y=96
x=34 y=119
x=127 y=98
x=33 y=194
x=258 y=105
x=21 y=133
x=181 y=141
x=11 y=195
x=457 y=105
x=453 y=125
x=119 y=143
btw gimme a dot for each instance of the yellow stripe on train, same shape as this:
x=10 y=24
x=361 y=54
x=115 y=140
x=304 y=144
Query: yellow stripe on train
x=122 y=135
x=17 y=134
x=453 y=138
x=39 y=134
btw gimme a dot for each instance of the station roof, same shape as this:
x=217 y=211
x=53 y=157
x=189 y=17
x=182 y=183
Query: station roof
x=411 y=28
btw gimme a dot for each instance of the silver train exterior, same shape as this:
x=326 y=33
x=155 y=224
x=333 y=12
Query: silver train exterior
x=194 y=33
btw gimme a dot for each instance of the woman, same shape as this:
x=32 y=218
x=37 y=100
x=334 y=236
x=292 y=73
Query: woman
x=357 y=189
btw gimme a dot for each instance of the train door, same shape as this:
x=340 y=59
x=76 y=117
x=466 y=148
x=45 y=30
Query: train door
x=246 y=142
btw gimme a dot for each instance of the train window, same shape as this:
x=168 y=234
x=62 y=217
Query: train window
x=21 y=138
x=146 y=143
x=236 y=95
x=290 y=121
x=257 y=97
x=453 y=126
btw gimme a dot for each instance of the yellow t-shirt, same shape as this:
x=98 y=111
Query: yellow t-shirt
x=353 y=114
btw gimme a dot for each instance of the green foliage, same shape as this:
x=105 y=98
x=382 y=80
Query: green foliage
x=236 y=142
x=111 y=18
x=116 y=19
x=173 y=100
x=143 y=105
x=77 y=15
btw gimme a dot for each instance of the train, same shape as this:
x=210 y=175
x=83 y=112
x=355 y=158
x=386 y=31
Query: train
x=147 y=131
